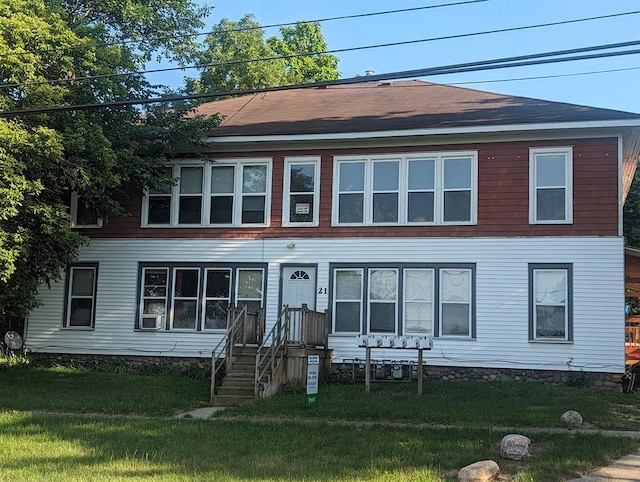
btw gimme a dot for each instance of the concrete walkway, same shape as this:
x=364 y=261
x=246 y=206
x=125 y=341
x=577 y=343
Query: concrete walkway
x=626 y=469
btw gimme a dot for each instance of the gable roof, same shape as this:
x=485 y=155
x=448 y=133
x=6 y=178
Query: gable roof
x=389 y=106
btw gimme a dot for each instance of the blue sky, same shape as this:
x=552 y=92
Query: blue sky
x=614 y=90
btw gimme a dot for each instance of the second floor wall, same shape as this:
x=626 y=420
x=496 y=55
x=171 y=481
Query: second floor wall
x=566 y=187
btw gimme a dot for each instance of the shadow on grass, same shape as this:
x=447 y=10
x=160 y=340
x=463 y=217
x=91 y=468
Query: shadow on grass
x=75 y=448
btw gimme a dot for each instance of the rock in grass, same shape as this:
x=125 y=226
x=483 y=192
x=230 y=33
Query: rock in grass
x=479 y=471
x=571 y=419
x=514 y=446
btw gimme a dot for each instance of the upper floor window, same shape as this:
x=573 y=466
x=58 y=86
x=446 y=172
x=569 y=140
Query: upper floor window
x=301 y=191
x=551 y=187
x=430 y=188
x=81 y=285
x=82 y=216
x=225 y=193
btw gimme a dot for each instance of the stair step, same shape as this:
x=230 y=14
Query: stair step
x=235 y=391
x=229 y=400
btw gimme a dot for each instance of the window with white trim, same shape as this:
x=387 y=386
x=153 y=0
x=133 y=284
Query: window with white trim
x=347 y=304
x=550 y=302
x=221 y=193
x=82 y=216
x=551 y=185
x=81 y=285
x=383 y=300
x=455 y=302
x=195 y=297
x=435 y=300
x=301 y=191
x=418 y=301
x=406 y=189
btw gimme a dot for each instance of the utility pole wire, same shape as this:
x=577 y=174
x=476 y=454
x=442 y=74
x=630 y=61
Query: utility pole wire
x=507 y=62
x=260 y=27
x=307 y=54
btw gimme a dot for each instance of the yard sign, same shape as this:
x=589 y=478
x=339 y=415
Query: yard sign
x=313 y=365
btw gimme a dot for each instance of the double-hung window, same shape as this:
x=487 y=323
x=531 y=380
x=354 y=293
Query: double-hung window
x=550 y=302
x=406 y=189
x=406 y=299
x=550 y=185
x=82 y=216
x=196 y=297
x=81 y=286
x=221 y=193
x=301 y=191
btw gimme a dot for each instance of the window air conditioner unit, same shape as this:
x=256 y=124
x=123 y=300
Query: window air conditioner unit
x=151 y=322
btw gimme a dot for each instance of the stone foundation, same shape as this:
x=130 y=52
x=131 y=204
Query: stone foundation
x=390 y=372
x=142 y=365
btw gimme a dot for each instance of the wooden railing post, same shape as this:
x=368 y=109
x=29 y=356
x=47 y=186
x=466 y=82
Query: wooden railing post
x=304 y=315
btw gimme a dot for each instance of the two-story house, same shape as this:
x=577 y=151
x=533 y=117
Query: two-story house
x=490 y=222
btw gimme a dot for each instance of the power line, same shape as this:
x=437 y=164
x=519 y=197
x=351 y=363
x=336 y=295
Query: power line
x=260 y=27
x=507 y=62
x=541 y=77
x=311 y=54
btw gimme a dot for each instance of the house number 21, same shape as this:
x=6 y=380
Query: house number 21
x=322 y=291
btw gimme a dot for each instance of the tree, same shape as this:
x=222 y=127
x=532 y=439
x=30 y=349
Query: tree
x=243 y=59
x=631 y=224
x=105 y=153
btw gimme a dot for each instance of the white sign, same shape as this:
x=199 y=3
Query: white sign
x=313 y=365
x=302 y=208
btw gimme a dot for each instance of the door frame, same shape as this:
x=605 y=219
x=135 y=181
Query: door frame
x=297 y=265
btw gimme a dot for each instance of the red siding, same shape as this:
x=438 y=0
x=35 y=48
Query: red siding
x=503 y=197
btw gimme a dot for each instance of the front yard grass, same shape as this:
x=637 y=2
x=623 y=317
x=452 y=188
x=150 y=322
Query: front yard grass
x=388 y=435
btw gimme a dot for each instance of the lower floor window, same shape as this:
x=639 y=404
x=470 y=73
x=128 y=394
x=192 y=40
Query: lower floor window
x=404 y=300
x=550 y=302
x=81 y=284
x=195 y=297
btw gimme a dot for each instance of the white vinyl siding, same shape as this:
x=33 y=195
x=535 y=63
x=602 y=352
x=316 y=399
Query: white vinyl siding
x=301 y=194
x=407 y=189
x=221 y=193
x=501 y=296
x=551 y=185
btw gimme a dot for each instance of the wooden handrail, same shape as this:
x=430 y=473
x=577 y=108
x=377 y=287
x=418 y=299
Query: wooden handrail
x=267 y=354
x=225 y=345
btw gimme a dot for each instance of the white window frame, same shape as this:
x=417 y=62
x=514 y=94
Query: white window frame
x=143 y=297
x=567 y=152
x=359 y=300
x=70 y=296
x=286 y=193
x=441 y=302
x=75 y=197
x=197 y=298
x=237 y=298
x=206 y=298
x=205 y=208
x=405 y=301
x=370 y=301
x=404 y=159
x=567 y=270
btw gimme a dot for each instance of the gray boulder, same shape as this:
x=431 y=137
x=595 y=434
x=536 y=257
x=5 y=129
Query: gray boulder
x=482 y=471
x=571 y=419
x=514 y=447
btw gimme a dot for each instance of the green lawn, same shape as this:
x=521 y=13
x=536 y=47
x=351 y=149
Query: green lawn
x=387 y=435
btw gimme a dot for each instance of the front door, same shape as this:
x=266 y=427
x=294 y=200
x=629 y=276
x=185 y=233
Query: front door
x=299 y=286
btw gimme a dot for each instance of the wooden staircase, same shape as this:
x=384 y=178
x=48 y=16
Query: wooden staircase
x=238 y=386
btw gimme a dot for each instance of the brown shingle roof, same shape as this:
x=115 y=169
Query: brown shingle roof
x=385 y=106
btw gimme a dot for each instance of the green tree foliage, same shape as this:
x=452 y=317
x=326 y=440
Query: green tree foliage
x=632 y=215
x=105 y=154
x=272 y=62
